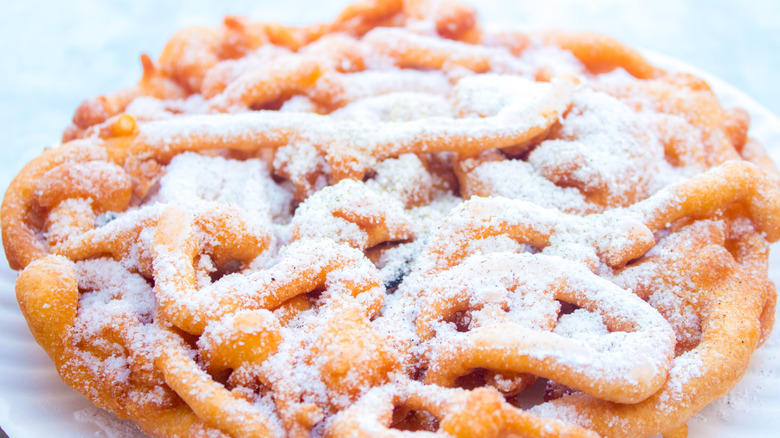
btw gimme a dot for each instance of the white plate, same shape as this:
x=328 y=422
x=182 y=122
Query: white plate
x=35 y=403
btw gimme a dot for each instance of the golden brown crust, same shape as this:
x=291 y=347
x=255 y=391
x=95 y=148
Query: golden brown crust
x=397 y=222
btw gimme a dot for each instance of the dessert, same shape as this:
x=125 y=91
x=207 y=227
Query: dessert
x=402 y=219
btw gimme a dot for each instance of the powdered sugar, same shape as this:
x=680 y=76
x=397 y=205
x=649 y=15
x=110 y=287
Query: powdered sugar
x=344 y=218
x=193 y=179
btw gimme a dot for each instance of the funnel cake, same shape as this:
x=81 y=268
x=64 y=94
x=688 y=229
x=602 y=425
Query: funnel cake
x=399 y=223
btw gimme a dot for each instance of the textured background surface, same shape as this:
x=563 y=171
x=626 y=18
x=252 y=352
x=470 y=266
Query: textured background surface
x=55 y=54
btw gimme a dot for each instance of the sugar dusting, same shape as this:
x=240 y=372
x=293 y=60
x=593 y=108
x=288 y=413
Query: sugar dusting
x=374 y=252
